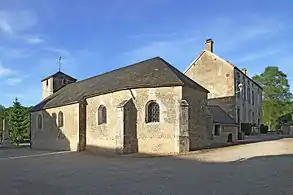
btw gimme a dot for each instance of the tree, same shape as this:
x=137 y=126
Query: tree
x=2 y=116
x=276 y=94
x=18 y=122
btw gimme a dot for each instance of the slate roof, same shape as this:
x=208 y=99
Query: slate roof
x=59 y=73
x=220 y=116
x=154 y=72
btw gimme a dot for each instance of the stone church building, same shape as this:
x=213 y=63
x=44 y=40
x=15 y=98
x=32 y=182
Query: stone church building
x=147 y=107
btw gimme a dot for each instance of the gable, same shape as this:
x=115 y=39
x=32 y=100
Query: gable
x=220 y=60
x=205 y=53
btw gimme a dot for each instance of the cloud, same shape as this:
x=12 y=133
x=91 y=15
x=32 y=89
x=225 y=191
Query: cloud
x=171 y=48
x=13 y=81
x=152 y=35
x=232 y=36
x=4 y=71
x=14 y=95
x=227 y=33
x=12 y=22
x=35 y=40
x=59 y=51
x=7 y=52
x=5 y=26
x=257 y=55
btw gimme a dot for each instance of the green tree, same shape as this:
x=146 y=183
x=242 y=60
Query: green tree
x=18 y=122
x=2 y=115
x=276 y=95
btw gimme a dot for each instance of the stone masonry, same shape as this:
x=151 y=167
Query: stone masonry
x=184 y=123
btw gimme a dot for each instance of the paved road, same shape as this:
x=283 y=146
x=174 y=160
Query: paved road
x=248 y=169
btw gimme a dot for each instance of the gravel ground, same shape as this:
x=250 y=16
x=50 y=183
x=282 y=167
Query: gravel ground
x=259 y=168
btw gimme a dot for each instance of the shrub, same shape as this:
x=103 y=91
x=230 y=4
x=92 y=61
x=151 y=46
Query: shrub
x=264 y=129
x=246 y=128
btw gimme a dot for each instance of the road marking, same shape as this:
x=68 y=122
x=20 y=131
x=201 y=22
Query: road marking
x=34 y=155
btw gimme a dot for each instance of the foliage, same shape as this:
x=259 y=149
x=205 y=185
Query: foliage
x=2 y=114
x=246 y=128
x=18 y=122
x=276 y=95
x=264 y=129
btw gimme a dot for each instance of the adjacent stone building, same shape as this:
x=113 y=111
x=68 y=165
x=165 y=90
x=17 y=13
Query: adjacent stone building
x=222 y=79
x=147 y=107
x=225 y=128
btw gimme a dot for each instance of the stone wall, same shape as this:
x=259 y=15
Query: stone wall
x=249 y=112
x=60 y=81
x=200 y=121
x=157 y=137
x=225 y=131
x=47 y=88
x=52 y=137
x=220 y=78
x=214 y=74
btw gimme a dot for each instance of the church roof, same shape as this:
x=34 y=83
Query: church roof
x=220 y=116
x=154 y=72
x=59 y=73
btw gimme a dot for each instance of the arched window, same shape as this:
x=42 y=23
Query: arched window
x=102 y=115
x=40 y=122
x=60 y=119
x=152 y=112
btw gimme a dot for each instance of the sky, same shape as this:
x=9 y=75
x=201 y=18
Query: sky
x=95 y=36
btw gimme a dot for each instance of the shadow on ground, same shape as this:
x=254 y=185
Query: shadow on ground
x=84 y=173
x=248 y=140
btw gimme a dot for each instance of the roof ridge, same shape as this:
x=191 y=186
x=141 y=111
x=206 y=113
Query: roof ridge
x=58 y=72
x=223 y=111
x=176 y=72
x=171 y=68
x=117 y=69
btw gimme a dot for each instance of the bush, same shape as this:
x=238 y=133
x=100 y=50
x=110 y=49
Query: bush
x=264 y=129
x=246 y=128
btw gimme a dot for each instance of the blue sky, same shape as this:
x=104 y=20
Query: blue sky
x=95 y=36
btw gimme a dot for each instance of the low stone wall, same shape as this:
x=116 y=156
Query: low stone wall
x=225 y=131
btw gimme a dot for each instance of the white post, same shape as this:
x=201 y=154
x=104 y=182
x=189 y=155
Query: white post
x=5 y=135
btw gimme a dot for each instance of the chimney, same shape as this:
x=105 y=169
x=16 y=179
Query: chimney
x=244 y=70
x=209 y=45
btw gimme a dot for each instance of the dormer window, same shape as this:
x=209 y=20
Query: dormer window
x=63 y=81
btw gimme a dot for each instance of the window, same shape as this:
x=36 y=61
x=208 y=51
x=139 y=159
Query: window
x=153 y=112
x=60 y=119
x=237 y=82
x=40 y=121
x=102 y=115
x=63 y=81
x=238 y=115
x=217 y=130
x=248 y=95
x=253 y=117
x=47 y=82
x=252 y=97
x=237 y=89
x=244 y=89
x=244 y=115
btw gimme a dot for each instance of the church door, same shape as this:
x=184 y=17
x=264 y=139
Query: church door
x=130 y=143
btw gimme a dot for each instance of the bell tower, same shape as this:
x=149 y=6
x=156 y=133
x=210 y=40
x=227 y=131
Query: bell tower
x=54 y=82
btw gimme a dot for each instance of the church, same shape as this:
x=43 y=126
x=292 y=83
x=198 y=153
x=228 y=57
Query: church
x=147 y=107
